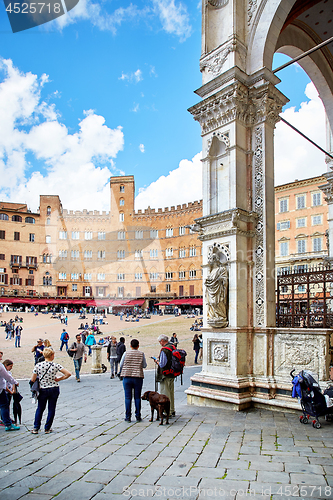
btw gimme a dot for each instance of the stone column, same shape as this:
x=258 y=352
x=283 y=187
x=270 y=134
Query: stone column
x=96 y=363
x=246 y=359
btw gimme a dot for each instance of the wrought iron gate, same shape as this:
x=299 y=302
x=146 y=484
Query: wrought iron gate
x=305 y=299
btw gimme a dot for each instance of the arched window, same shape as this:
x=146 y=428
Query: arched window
x=4 y=217
x=30 y=220
x=17 y=218
x=47 y=280
x=48 y=211
x=122 y=189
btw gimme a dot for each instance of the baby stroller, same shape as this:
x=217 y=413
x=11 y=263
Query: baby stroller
x=314 y=403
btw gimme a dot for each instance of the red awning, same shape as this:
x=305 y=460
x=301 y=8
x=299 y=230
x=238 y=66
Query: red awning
x=181 y=302
x=137 y=302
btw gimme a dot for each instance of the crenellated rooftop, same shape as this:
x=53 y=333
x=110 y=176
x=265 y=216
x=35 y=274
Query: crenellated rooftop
x=194 y=205
x=85 y=213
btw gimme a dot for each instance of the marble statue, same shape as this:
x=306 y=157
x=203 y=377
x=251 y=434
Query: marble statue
x=217 y=292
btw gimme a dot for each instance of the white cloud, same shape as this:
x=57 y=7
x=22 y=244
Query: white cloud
x=295 y=157
x=181 y=185
x=75 y=166
x=174 y=18
x=142 y=148
x=135 y=77
x=136 y=108
x=97 y=15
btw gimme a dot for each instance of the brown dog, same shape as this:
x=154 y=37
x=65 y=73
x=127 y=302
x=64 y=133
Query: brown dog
x=158 y=402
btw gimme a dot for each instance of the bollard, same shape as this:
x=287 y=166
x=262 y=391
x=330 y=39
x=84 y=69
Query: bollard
x=96 y=364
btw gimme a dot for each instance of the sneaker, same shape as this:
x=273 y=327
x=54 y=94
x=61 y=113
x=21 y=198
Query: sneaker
x=127 y=419
x=78 y=380
x=173 y=414
x=139 y=419
x=34 y=431
x=48 y=431
x=12 y=428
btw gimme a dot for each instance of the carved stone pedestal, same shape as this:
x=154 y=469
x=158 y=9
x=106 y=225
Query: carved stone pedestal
x=96 y=365
x=251 y=367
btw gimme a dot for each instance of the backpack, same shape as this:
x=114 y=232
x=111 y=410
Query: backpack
x=66 y=336
x=70 y=352
x=177 y=362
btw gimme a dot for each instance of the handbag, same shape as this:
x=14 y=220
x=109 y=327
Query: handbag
x=35 y=386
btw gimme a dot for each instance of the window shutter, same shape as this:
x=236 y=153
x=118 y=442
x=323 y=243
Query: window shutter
x=11 y=281
x=20 y=260
x=32 y=282
x=27 y=260
x=35 y=261
x=6 y=279
x=20 y=281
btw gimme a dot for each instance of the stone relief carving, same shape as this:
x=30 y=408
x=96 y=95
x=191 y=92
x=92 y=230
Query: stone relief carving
x=299 y=352
x=259 y=252
x=215 y=61
x=216 y=288
x=221 y=137
x=251 y=106
x=220 y=352
x=252 y=7
x=218 y=3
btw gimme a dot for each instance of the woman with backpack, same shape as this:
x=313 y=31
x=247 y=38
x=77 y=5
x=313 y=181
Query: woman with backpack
x=64 y=337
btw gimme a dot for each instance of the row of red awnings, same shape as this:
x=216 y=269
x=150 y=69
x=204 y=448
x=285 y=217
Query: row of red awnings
x=70 y=302
x=181 y=302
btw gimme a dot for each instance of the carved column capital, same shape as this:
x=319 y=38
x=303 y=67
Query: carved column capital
x=266 y=103
x=328 y=188
x=237 y=101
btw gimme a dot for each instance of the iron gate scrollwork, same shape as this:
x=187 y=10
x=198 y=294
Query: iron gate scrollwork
x=305 y=298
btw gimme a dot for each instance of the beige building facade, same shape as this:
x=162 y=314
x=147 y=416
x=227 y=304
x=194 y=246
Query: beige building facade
x=151 y=254
x=301 y=224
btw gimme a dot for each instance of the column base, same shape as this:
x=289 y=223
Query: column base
x=240 y=393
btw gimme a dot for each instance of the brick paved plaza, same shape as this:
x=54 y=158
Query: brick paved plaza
x=203 y=453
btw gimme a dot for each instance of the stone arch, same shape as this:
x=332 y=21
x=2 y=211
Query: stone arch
x=269 y=34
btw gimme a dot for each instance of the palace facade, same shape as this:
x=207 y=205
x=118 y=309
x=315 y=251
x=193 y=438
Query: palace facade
x=128 y=254
x=125 y=254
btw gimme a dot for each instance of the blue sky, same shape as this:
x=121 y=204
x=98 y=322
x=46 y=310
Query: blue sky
x=120 y=77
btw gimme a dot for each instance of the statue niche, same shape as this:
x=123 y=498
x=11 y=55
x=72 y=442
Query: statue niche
x=216 y=293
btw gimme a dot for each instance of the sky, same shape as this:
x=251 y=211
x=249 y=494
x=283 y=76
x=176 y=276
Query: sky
x=104 y=90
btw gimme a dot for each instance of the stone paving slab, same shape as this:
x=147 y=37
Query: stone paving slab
x=94 y=455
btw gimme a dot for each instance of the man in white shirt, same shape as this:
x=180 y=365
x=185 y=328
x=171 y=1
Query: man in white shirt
x=5 y=377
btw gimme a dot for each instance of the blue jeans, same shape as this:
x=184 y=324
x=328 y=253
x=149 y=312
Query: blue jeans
x=4 y=409
x=77 y=366
x=18 y=341
x=132 y=384
x=64 y=343
x=49 y=396
x=196 y=356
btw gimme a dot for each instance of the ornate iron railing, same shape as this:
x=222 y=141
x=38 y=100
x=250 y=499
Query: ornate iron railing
x=305 y=298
